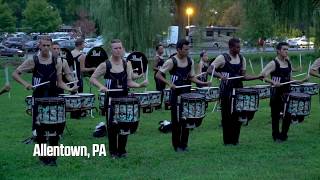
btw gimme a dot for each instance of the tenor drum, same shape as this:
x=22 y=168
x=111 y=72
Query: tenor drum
x=193 y=109
x=126 y=112
x=73 y=102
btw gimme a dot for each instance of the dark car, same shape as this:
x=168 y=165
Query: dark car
x=68 y=44
x=14 y=42
x=31 y=46
x=6 y=51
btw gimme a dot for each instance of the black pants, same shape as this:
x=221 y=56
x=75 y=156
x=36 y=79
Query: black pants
x=277 y=106
x=180 y=133
x=160 y=86
x=51 y=140
x=230 y=124
x=117 y=142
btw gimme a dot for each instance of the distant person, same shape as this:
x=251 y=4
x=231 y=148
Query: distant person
x=158 y=62
x=203 y=67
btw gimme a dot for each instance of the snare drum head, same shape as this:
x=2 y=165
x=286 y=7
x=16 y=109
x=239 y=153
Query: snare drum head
x=246 y=91
x=49 y=100
x=153 y=92
x=309 y=84
x=192 y=96
x=71 y=96
x=262 y=86
x=299 y=95
x=85 y=94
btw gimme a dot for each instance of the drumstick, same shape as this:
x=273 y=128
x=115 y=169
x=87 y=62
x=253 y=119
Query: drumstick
x=212 y=73
x=289 y=82
x=251 y=65
x=237 y=77
x=6 y=72
x=113 y=90
x=183 y=86
x=41 y=84
x=309 y=68
x=299 y=75
x=261 y=61
x=300 y=61
x=71 y=82
x=146 y=78
x=200 y=74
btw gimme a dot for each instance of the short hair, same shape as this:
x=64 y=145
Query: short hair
x=280 y=44
x=55 y=43
x=233 y=42
x=79 y=42
x=158 y=46
x=115 y=41
x=202 y=53
x=182 y=42
x=45 y=38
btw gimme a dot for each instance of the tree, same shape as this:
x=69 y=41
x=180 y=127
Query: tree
x=7 y=21
x=135 y=22
x=16 y=7
x=87 y=26
x=232 y=15
x=41 y=16
x=258 y=21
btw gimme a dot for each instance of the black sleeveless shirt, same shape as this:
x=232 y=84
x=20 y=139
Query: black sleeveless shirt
x=116 y=80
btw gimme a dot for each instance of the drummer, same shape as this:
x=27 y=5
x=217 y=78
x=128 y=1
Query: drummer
x=45 y=68
x=203 y=67
x=280 y=70
x=231 y=64
x=66 y=72
x=315 y=68
x=118 y=75
x=181 y=68
x=158 y=62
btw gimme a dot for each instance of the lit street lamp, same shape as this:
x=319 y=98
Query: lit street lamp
x=189 y=12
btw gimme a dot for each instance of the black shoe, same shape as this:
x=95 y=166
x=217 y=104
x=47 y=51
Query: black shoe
x=44 y=160
x=52 y=163
x=179 y=149
x=113 y=156
x=122 y=155
x=186 y=149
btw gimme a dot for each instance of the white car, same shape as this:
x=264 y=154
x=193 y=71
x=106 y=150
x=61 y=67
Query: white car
x=303 y=43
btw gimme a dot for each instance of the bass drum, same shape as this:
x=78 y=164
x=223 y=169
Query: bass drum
x=95 y=57
x=139 y=62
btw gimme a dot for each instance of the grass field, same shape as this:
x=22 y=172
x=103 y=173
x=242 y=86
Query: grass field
x=150 y=154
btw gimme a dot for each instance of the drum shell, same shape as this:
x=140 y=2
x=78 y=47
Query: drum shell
x=263 y=90
x=87 y=101
x=28 y=101
x=211 y=93
x=192 y=106
x=310 y=88
x=73 y=102
x=50 y=110
x=154 y=98
x=143 y=98
x=298 y=104
x=245 y=99
x=126 y=113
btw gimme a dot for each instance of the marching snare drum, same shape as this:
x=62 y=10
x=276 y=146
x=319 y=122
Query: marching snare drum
x=166 y=98
x=296 y=88
x=50 y=110
x=310 y=88
x=263 y=90
x=101 y=99
x=245 y=99
x=87 y=100
x=298 y=104
x=73 y=102
x=193 y=108
x=211 y=93
x=154 y=98
x=29 y=104
x=144 y=99
x=126 y=112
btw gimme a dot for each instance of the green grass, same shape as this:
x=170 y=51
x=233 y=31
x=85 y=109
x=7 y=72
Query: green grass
x=150 y=154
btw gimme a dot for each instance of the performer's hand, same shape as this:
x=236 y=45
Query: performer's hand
x=208 y=83
x=276 y=84
x=103 y=89
x=223 y=78
x=28 y=86
x=74 y=88
x=172 y=86
x=144 y=83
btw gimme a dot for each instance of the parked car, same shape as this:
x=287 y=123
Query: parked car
x=69 y=44
x=303 y=43
x=31 y=46
x=6 y=51
x=14 y=42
